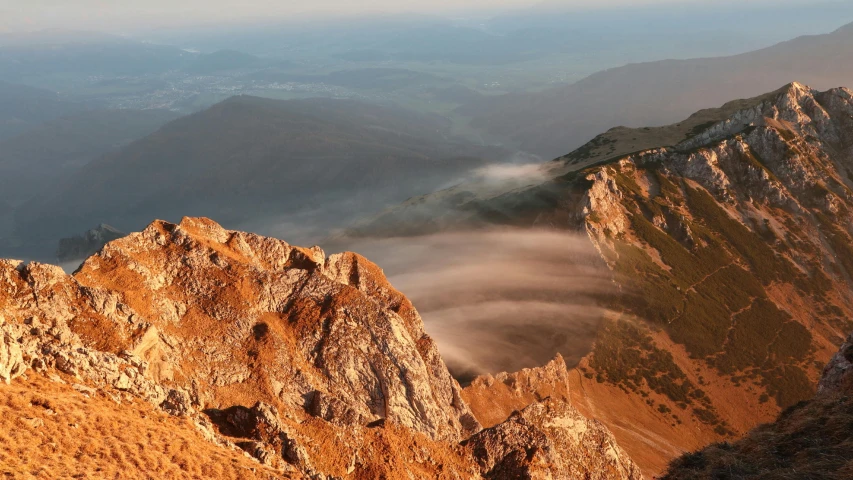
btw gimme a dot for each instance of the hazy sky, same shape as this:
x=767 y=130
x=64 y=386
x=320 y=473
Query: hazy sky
x=18 y=15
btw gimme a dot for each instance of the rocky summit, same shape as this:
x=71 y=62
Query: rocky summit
x=313 y=367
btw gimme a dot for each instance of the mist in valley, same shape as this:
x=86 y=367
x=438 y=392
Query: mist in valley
x=500 y=300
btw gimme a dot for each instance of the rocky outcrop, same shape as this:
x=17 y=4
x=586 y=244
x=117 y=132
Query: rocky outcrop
x=535 y=433
x=11 y=358
x=289 y=325
x=493 y=398
x=312 y=365
x=550 y=440
x=837 y=373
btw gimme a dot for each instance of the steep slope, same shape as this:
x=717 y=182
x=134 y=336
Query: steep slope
x=730 y=244
x=59 y=429
x=657 y=93
x=247 y=158
x=809 y=440
x=312 y=365
x=30 y=163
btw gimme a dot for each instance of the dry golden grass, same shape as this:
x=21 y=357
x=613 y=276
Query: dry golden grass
x=49 y=430
x=812 y=440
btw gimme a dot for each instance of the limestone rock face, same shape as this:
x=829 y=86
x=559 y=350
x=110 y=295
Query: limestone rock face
x=493 y=398
x=535 y=433
x=42 y=307
x=222 y=311
x=11 y=360
x=313 y=366
x=550 y=440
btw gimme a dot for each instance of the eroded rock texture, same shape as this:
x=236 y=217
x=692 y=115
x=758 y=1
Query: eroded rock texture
x=314 y=366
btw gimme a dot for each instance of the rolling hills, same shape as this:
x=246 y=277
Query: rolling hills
x=249 y=158
x=31 y=162
x=23 y=107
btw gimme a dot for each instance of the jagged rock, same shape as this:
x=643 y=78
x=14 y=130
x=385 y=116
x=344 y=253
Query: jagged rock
x=839 y=369
x=334 y=410
x=342 y=377
x=259 y=451
x=11 y=358
x=550 y=440
x=122 y=382
x=362 y=339
x=494 y=398
x=177 y=403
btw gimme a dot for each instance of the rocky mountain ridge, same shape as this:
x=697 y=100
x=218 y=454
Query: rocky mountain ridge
x=314 y=366
x=82 y=246
x=729 y=241
x=651 y=94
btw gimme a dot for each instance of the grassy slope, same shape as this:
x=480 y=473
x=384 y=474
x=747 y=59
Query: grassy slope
x=809 y=440
x=50 y=430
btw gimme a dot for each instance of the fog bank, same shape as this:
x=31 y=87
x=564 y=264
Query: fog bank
x=499 y=300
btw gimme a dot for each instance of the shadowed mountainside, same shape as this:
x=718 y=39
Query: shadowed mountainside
x=248 y=157
x=23 y=107
x=32 y=162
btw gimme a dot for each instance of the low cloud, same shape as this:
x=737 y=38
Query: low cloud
x=500 y=300
x=528 y=172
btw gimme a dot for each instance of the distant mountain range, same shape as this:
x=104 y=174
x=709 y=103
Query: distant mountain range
x=23 y=107
x=34 y=57
x=31 y=162
x=248 y=158
x=553 y=121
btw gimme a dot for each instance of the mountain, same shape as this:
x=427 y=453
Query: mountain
x=316 y=367
x=729 y=237
x=553 y=121
x=80 y=247
x=23 y=107
x=809 y=440
x=30 y=163
x=249 y=158
x=46 y=56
